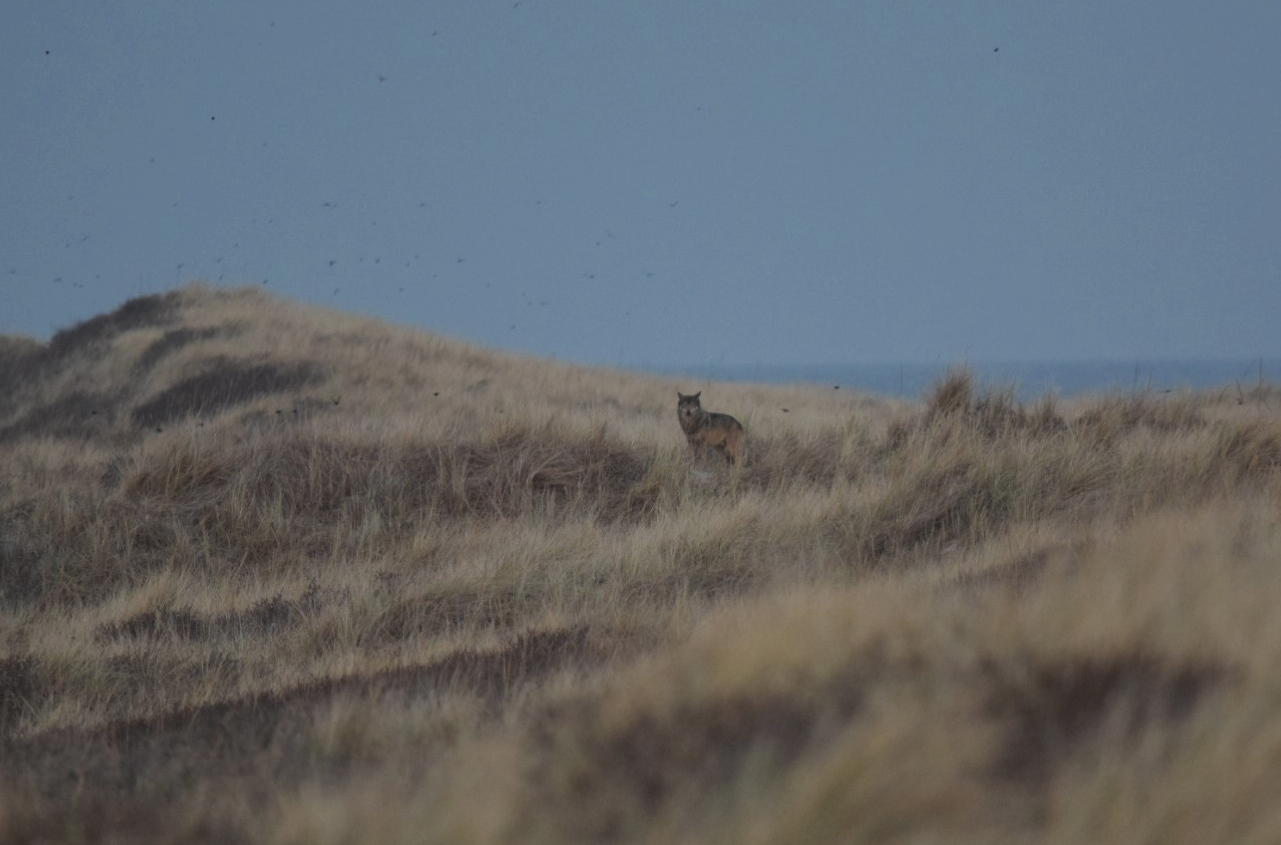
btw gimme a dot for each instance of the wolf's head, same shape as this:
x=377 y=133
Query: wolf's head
x=688 y=407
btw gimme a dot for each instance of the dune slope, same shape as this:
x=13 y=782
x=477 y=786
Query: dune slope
x=272 y=573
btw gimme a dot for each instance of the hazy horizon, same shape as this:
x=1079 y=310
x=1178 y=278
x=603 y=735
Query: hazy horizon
x=1032 y=377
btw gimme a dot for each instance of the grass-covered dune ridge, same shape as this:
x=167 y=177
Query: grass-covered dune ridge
x=271 y=573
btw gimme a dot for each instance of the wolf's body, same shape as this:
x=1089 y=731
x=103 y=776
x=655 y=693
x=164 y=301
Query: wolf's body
x=707 y=430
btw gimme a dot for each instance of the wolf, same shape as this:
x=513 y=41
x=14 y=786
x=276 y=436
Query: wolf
x=706 y=430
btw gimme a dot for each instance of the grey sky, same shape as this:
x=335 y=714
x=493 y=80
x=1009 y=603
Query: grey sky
x=663 y=181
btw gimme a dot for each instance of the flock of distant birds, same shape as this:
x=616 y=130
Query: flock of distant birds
x=526 y=299
x=331 y=205
x=333 y=262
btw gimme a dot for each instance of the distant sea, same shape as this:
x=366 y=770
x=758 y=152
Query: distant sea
x=1030 y=379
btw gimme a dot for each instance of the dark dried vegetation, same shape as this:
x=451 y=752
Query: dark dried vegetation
x=140 y=312
x=225 y=383
x=1051 y=709
x=173 y=340
x=78 y=415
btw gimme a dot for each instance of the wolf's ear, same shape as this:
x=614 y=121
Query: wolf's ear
x=680 y=395
x=696 y=395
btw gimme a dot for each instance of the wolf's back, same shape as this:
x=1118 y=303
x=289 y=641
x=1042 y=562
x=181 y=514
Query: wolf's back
x=723 y=421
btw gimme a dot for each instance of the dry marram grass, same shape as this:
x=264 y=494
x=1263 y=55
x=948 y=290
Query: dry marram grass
x=271 y=573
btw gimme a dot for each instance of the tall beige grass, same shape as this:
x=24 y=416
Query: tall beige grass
x=270 y=573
